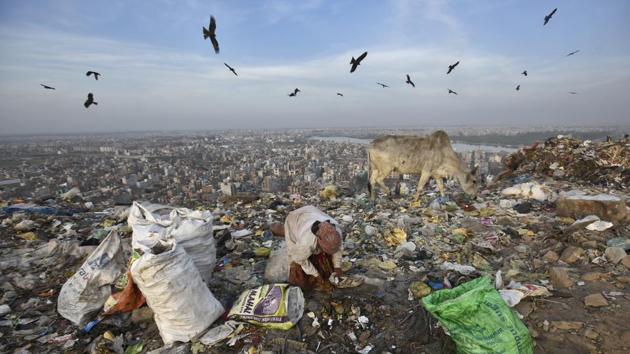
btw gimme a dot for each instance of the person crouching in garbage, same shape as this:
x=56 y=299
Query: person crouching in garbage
x=314 y=245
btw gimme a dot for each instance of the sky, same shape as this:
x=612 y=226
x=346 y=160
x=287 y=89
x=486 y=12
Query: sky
x=158 y=73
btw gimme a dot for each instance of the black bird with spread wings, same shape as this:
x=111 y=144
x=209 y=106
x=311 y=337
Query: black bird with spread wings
x=524 y=73
x=96 y=75
x=409 y=81
x=548 y=17
x=573 y=92
x=356 y=62
x=90 y=100
x=451 y=67
x=295 y=92
x=518 y=87
x=231 y=69
x=210 y=32
x=451 y=91
x=48 y=87
x=384 y=86
x=339 y=94
x=573 y=53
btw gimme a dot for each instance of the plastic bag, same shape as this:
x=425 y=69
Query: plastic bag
x=277 y=268
x=182 y=304
x=191 y=229
x=278 y=306
x=87 y=290
x=478 y=319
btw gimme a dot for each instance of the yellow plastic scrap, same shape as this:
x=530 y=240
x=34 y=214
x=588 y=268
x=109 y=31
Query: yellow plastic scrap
x=28 y=236
x=395 y=237
x=566 y=220
x=526 y=233
x=486 y=212
x=415 y=204
x=108 y=223
x=259 y=233
x=387 y=265
x=109 y=336
x=419 y=289
x=262 y=252
x=226 y=219
x=329 y=192
x=463 y=231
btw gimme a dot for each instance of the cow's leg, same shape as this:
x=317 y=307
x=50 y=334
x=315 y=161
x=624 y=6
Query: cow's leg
x=373 y=176
x=424 y=178
x=440 y=184
x=380 y=179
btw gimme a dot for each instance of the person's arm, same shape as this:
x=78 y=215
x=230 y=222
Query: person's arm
x=308 y=267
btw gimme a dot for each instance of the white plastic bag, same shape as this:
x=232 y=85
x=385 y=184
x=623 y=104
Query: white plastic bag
x=182 y=304
x=190 y=229
x=277 y=269
x=87 y=290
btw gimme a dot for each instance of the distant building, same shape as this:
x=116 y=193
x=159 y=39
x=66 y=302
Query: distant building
x=227 y=188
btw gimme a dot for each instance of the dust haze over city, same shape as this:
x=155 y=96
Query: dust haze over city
x=396 y=163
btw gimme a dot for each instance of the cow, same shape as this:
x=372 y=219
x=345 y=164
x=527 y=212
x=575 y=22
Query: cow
x=430 y=156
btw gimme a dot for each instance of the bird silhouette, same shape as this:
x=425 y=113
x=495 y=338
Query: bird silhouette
x=48 y=87
x=548 y=17
x=524 y=73
x=210 y=32
x=573 y=92
x=518 y=87
x=294 y=93
x=384 y=86
x=409 y=81
x=451 y=91
x=573 y=53
x=451 y=67
x=356 y=62
x=339 y=94
x=231 y=69
x=90 y=100
x=96 y=75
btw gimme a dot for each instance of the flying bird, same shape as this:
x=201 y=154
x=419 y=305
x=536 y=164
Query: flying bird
x=339 y=94
x=524 y=73
x=210 y=32
x=48 y=87
x=90 y=100
x=384 y=86
x=573 y=92
x=356 y=62
x=451 y=91
x=518 y=88
x=548 y=17
x=409 y=81
x=231 y=69
x=294 y=93
x=573 y=53
x=96 y=75
x=451 y=67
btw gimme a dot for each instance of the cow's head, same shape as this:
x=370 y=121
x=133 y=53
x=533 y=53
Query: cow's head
x=469 y=182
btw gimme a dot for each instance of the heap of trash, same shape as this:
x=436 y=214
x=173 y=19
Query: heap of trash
x=532 y=263
x=605 y=164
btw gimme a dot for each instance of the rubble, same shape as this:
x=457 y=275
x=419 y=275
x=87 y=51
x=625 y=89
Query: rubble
x=447 y=242
x=576 y=204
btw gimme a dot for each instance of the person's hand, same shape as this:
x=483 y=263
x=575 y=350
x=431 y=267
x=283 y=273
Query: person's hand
x=338 y=272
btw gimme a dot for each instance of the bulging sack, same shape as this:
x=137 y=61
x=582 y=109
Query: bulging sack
x=277 y=268
x=478 y=319
x=182 y=303
x=191 y=229
x=278 y=306
x=87 y=290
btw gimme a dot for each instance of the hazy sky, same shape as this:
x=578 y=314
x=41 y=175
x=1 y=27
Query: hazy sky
x=158 y=73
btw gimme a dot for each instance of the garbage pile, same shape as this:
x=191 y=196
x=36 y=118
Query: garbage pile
x=538 y=264
x=605 y=164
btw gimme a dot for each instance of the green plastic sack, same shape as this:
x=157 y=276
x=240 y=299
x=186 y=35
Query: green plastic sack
x=478 y=319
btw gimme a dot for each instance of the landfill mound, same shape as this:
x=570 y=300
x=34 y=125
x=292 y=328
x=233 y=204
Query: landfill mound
x=566 y=277
x=605 y=164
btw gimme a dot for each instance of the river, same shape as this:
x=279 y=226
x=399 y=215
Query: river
x=456 y=146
